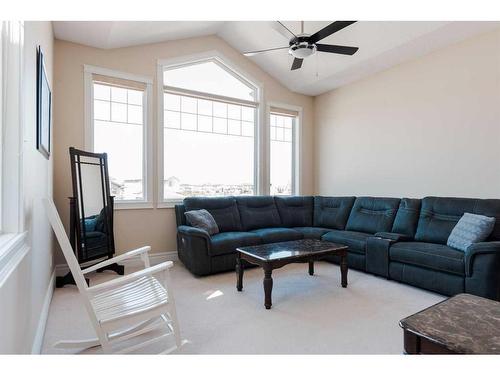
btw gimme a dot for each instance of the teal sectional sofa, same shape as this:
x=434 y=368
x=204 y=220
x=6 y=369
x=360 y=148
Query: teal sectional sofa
x=399 y=239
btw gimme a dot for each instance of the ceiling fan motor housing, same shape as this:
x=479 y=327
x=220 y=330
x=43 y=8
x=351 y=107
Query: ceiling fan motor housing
x=300 y=47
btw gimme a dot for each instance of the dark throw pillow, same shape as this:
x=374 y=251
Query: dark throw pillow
x=470 y=229
x=202 y=219
x=90 y=223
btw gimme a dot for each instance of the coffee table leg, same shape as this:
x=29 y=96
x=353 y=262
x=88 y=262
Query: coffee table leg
x=311 y=268
x=343 y=270
x=268 y=287
x=239 y=274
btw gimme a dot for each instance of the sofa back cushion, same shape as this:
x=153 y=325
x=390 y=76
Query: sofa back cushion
x=295 y=211
x=407 y=217
x=258 y=212
x=439 y=215
x=372 y=215
x=223 y=209
x=332 y=212
x=491 y=208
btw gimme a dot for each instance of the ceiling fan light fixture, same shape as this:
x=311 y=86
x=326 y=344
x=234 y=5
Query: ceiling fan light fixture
x=303 y=45
x=302 y=50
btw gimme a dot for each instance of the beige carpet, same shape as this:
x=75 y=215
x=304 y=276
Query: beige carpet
x=310 y=314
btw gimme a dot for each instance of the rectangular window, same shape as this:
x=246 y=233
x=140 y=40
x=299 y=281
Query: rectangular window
x=282 y=130
x=208 y=147
x=118 y=118
x=11 y=126
x=13 y=238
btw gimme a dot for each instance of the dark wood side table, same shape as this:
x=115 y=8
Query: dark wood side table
x=276 y=255
x=463 y=324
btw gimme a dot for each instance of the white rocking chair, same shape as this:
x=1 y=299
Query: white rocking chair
x=128 y=306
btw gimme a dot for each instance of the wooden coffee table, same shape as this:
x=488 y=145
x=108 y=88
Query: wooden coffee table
x=276 y=255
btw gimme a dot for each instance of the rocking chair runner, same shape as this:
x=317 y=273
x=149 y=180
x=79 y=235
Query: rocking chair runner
x=125 y=307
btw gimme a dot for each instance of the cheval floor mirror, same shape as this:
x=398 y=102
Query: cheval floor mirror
x=136 y=307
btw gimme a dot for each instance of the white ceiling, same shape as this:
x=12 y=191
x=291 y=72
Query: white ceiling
x=116 y=34
x=381 y=44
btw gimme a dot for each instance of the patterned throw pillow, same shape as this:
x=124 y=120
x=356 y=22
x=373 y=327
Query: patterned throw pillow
x=470 y=229
x=202 y=219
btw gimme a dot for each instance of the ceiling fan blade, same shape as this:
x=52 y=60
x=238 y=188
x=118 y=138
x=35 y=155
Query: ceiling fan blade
x=283 y=30
x=332 y=48
x=251 y=53
x=297 y=63
x=329 y=30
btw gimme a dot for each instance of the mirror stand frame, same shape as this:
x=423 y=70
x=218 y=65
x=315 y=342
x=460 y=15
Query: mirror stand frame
x=76 y=230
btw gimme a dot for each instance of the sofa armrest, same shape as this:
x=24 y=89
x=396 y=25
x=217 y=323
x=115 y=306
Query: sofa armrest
x=193 y=247
x=393 y=236
x=192 y=231
x=492 y=247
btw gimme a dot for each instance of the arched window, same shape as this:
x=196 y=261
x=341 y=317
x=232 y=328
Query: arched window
x=210 y=117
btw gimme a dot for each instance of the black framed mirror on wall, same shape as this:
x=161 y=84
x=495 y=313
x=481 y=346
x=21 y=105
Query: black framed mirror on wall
x=91 y=211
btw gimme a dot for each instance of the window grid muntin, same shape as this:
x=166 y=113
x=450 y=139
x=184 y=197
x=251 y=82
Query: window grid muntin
x=290 y=126
x=227 y=119
x=111 y=101
x=286 y=127
x=110 y=122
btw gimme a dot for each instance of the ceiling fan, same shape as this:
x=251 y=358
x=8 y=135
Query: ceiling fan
x=304 y=45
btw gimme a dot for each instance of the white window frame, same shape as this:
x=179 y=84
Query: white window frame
x=13 y=236
x=231 y=68
x=296 y=146
x=147 y=168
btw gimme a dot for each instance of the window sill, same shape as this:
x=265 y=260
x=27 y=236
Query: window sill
x=13 y=247
x=169 y=203
x=131 y=205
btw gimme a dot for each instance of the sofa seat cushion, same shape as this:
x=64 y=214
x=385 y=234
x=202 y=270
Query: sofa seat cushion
x=355 y=240
x=227 y=242
x=268 y=235
x=428 y=255
x=312 y=232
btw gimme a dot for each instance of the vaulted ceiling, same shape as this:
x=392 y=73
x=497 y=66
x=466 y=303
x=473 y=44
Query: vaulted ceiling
x=381 y=44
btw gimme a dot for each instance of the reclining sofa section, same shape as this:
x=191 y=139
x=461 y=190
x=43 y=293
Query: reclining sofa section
x=400 y=239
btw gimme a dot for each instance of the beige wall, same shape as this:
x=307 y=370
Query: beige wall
x=26 y=292
x=426 y=127
x=155 y=227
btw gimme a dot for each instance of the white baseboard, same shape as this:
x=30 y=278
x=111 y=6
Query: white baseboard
x=44 y=314
x=154 y=258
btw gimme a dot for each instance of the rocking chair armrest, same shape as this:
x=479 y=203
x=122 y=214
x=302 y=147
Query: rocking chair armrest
x=130 y=277
x=117 y=259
